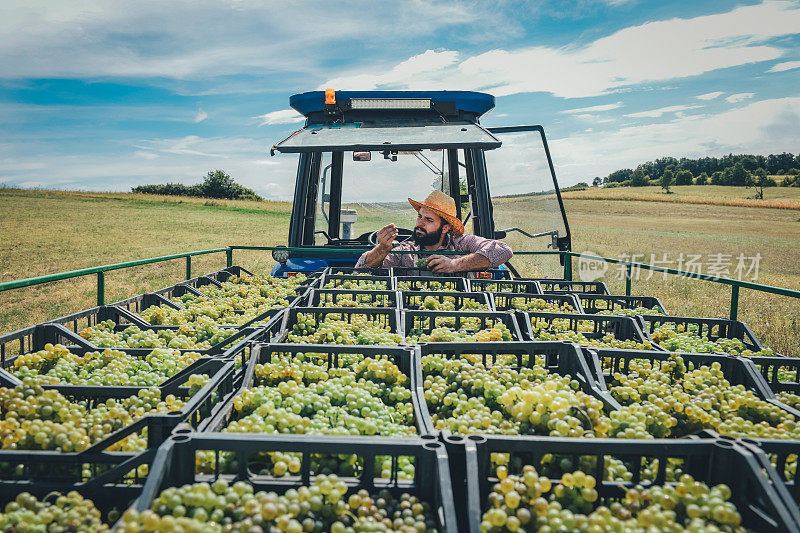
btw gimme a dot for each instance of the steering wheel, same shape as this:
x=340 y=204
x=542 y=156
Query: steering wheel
x=406 y=234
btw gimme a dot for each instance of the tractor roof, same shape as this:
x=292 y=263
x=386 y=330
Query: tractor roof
x=473 y=103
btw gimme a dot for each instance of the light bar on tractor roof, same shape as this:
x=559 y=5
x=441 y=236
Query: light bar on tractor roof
x=390 y=103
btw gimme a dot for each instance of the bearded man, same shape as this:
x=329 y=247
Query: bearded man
x=437 y=228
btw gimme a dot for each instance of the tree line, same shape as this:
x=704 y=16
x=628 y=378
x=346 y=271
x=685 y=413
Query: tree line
x=216 y=184
x=735 y=170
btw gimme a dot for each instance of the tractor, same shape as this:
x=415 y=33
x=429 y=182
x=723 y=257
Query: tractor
x=363 y=153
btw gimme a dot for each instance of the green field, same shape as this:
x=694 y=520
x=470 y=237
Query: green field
x=49 y=231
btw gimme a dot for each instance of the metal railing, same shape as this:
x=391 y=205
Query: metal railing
x=99 y=271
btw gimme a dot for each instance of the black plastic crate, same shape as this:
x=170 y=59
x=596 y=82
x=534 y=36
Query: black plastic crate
x=139 y=303
x=34 y=466
x=738 y=371
x=505 y=285
x=783 y=456
x=412 y=300
x=403 y=357
x=228 y=344
x=711 y=329
x=623 y=328
x=117 y=484
x=343 y=297
x=431 y=283
x=504 y=301
x=594 y=303
x=782 y=374
x=175 y=466
x=382 y=316
x=562 y=285
x=363 y=271
x=346 y=281
x=224 y=274
x=425 y=273
x=424 y=322
x=562 y=358
x=757 y=490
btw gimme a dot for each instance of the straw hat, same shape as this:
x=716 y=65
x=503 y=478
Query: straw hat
x=444 y=206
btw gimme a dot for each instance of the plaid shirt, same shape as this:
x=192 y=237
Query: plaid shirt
x=497 y=252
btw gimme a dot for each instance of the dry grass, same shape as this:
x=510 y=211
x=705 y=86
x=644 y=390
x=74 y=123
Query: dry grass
x=775 y=197
x=48 y=231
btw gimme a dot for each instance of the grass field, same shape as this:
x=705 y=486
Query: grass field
x=50 y=231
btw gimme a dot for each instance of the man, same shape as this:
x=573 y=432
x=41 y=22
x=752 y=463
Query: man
x=437 y=228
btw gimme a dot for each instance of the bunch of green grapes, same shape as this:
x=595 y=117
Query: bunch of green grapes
x=56 y=512
x=354 y=300
x=370 y=396
x=530 y=502
x=358 y=285
x=469 y=397
x=428 y=285
x=685 y=338
x=498 y=332
x=789 y=398
x=540 y=305
x=201 y=336
x=56 y=364
x=324 y=506
x=38 y=419
x=561 y=329
x=664 y=400
x=632 y=311
x=333 y=330
x=445 y=303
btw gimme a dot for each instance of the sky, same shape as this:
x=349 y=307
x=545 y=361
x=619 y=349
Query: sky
x=107 y=95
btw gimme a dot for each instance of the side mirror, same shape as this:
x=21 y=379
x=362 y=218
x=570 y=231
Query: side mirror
x=362 y=156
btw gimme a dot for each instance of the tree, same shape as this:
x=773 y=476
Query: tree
x=639 y=178
x=718 y=178
x=666 y=180
x=702 y=179
x=596 y=182
x=738 y=175
x=683 y=177
x=758 y=180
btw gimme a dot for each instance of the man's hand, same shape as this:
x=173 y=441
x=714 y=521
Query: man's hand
x=442 y=264
x=386 y=236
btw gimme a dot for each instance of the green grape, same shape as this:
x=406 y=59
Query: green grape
x=663 y=399
x=36 y=419
x=201 y=336
x=466 y=396
x=529 y=501
x=322 y=506
x=58 y=512
x=56 y=364
x=361 y=329
x=685 y=338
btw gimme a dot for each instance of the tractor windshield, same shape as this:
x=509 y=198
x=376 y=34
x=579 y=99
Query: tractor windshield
x=375 y=193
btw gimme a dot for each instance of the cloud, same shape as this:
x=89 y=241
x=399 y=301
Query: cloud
x=655 y=113
x=761 y=127
x=416 y=71
x=284 y=116
x=788 y=65
x=736 y=98
x=200 y=116
x=710 y=96
x=169 y=40
x=652 y=52
x=592 y=109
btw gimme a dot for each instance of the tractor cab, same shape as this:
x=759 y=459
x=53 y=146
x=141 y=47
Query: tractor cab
x=362 y=154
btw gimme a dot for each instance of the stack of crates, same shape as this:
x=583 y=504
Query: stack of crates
x=386 y=354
